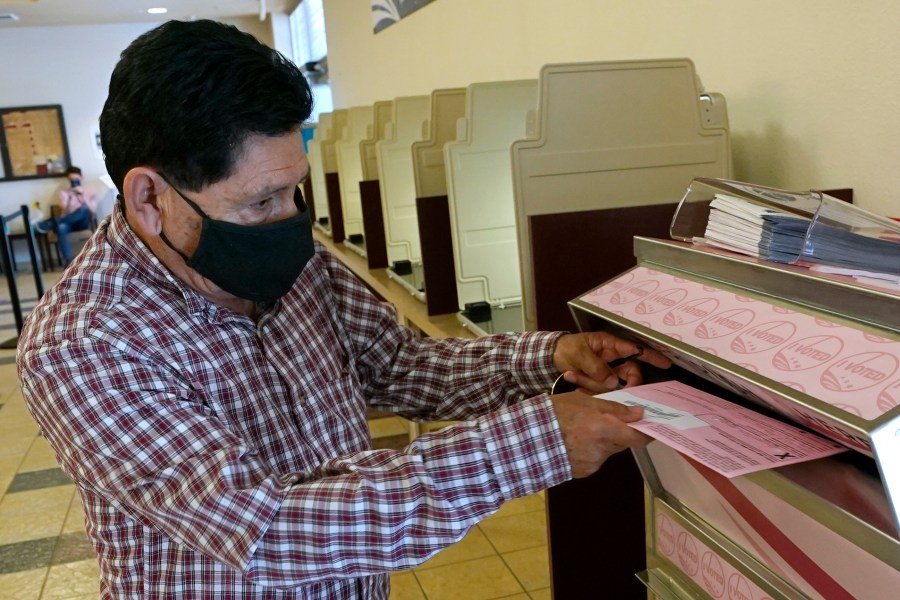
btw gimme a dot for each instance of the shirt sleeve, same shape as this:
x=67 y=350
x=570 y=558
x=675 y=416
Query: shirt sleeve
x=130 y=435
x=90 y=200
x=436 y=379
x=386 y=510
x=63 y=202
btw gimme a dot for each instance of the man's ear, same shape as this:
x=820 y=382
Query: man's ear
x=142 y=190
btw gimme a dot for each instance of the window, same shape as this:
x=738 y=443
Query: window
x=311 y=52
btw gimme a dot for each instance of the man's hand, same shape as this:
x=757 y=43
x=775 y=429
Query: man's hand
x=594 y=429
x=584 y=359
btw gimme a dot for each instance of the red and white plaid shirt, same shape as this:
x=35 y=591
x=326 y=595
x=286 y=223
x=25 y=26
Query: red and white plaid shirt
x=218 y=457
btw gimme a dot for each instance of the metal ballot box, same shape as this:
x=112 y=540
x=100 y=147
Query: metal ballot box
x=816 y=350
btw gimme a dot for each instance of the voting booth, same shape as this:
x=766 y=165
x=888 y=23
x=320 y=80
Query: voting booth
x=813 y=350
x=398 y=190
x=319 y=200
x=349 y=164
x=612 y=147
x=432 y=212
x=369 y=188
x=482 y=211
x=323 y=167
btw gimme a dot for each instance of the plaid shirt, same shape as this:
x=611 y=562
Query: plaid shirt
x=221 y=457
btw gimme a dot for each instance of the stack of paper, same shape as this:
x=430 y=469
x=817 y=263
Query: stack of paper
x=764 y=231
x=742 y=226
x=863 y=248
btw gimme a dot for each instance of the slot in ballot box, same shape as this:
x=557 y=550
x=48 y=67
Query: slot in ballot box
x=612 y=148
x=370 y=189
x=432 y=212
x=398 y=190
x=349 y=163
x=482 y=210
x=814 y=350
x=323 y=167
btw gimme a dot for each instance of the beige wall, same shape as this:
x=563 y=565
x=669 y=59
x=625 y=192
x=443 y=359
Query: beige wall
x=813 y=86
x=42 y=66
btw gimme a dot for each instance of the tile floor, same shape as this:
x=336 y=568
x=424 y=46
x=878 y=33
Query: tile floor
x=44 y=553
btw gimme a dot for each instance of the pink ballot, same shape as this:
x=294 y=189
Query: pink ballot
x=728 y=438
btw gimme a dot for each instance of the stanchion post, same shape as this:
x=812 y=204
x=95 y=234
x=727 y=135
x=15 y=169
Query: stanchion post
x=11 y=281
x=32 y=252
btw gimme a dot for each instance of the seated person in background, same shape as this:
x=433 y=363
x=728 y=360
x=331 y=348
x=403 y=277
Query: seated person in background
x=77 y=206
x=204 y=370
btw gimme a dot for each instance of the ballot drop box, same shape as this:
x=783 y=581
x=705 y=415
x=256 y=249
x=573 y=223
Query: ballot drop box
x=819 y=352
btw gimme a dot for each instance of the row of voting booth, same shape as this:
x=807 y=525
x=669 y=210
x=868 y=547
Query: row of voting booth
x=498 y=154
x=503 y=201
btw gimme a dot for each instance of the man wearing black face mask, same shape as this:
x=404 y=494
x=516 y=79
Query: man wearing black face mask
x=204 y=369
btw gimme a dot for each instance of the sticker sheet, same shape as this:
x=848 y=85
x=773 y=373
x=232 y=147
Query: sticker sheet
x=850 y=369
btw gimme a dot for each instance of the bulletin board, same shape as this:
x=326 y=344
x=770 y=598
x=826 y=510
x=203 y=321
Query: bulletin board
x=33 y=142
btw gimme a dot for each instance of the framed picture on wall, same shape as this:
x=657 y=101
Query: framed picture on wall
x=33 y=142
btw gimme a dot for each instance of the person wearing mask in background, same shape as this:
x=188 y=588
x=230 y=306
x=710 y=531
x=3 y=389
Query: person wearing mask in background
x=203 y=370
x=77 y=206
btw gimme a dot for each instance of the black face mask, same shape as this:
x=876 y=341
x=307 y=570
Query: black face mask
x=254 y=262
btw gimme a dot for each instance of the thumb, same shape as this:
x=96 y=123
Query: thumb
x=633 y=414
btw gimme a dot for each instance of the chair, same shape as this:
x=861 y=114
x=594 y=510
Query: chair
x=15 y=232
x=77 y=238
x=48 y=245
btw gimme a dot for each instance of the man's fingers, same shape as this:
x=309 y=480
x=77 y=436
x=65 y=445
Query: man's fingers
x=577 y=353
x=627 y=437
x=593 y=361
x=652 y=357
x=611 y=348
x=593 y=429
x=630 y=373
x=616 y=409
x=606 y=412
x=590 y=385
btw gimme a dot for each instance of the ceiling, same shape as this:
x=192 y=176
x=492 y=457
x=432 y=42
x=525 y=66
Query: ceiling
x=42 y=13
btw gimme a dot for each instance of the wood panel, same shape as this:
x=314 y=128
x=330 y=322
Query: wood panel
x=596 y=524
x=335 y=207
x=572 y=253
x=433 y=214
x=373 y=224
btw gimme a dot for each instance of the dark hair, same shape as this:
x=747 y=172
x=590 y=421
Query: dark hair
x=73 y=170
x=185 y=96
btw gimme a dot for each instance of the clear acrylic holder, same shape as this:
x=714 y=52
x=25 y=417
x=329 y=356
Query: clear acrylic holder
x=837 y=233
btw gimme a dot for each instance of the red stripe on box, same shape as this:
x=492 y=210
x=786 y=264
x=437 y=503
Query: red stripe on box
x=812 y=573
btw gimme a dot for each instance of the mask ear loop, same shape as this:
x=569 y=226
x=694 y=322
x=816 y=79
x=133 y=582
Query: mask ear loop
x=193 y=205
x=190 y=202
x=120 y=200
x=165 y=239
